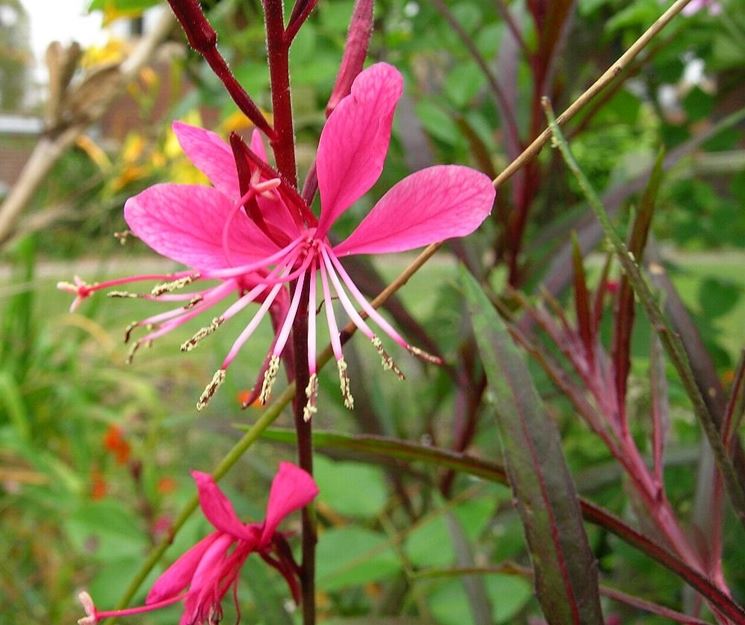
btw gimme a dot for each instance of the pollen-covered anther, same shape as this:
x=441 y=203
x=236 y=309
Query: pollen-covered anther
x=123 y=294
x=211 y=388
x=201 y=334
x=426 y=356
x=385 y=358
x=128 y=330
x=311 y=395
x=346 y=391
x=193 y=302
x=175 y=285
x=123 y=236
x=270 y=376
x=132 y=350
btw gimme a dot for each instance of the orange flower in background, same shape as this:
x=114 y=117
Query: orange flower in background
x=166 y=485
x=98 y=485
x=114 y=442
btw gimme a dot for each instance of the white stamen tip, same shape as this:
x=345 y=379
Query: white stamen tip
x=175 y=285
x=211 y=388
x=346 y=391
x=385 y=358
x=426 y=356
x=270 y=376
x=201 y=334
x=311 y=394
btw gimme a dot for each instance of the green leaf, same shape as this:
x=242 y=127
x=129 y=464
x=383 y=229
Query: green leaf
x=350 y=488
x=566 y=577
x=106 y=529
x=430 y=544
x=718 y=297
x=463 y=83
x=437 y=122
x=508 y=595
x=351 y=556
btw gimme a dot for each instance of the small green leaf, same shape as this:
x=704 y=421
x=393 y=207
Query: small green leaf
x=350 y=488
x=351 y=556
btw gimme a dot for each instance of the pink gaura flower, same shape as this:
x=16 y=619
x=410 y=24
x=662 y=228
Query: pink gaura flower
x=203 y=575
x=254 y=234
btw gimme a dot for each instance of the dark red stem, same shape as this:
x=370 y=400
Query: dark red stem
x=278 y=48
x=300 y=12
x=283 y=144
x=203 y=38
x=305 y=456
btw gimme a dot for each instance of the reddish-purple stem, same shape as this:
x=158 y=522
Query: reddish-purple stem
x=283 y=145
x=203 y=38
x=278 y=48
x=300 y=12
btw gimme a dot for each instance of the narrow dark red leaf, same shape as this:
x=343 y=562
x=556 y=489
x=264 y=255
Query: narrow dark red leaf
x=582 y=305
x=566 y=577
x=660 y=407
x=625 y=307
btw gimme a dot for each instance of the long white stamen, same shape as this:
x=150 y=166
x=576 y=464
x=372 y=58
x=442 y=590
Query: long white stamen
x=387 y=361
x=330 y=318
x=253 y=324
x=172 y=319
x=233 y=272
x=284 y=332
x=312 y=319
x=345 y=302
x=375 y=315
x=341 y=364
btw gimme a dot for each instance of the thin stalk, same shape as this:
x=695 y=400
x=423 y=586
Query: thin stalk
x=608 y=76
x=305 y=458
x=278 y=52
x=203 y=38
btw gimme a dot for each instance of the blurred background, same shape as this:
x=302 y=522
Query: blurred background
x=95 y=454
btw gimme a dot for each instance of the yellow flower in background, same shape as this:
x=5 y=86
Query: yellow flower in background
x=113 y=51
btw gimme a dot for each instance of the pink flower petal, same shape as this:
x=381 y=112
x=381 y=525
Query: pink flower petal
x=217 y=508
x=428 y=206
x=292 y=489
x=185 y=223
x=355 y=140
x=206 y=578
x=211 y=155
x=178 y=576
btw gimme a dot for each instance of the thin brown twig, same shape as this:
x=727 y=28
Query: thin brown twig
x=607 y=77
